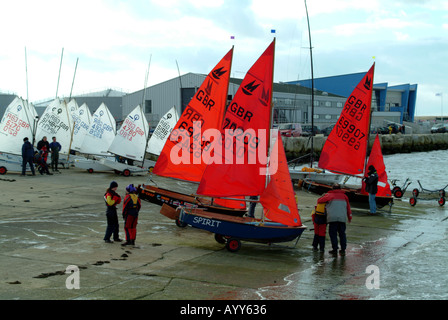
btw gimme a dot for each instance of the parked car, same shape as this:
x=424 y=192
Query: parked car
x=290 y=129
x=327 y=130
x=306 y=130
x=440 y=128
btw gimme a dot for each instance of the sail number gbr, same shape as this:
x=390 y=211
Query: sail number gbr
x=349 y=133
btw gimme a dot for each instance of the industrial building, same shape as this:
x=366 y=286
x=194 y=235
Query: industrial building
x=292 y=100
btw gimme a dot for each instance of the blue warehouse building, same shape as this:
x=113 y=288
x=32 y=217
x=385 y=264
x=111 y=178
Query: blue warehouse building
x=398 y=99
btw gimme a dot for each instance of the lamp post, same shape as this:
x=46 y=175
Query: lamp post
x=440 y=94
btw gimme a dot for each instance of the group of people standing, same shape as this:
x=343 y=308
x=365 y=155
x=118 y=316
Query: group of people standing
x=39 y=157
x=333 y=208
x=131 y=208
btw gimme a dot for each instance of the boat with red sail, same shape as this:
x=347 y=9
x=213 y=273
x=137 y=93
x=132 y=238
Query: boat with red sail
x=345 y=150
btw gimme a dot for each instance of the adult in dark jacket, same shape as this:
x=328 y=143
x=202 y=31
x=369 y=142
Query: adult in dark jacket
x=27 y=156
x=371 y=181
x=55 y=147
x=112 y=199
x=338 y=213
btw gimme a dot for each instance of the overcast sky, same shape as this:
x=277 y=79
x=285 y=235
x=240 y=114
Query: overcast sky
x=114 y=41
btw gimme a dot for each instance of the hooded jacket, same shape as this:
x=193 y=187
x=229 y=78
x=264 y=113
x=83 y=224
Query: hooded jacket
x=372 y=182
x=337 y=205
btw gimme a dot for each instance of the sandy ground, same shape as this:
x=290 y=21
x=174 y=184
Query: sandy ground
x=48 y=223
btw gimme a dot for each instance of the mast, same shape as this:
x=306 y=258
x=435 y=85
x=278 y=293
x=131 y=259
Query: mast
x=143 y=110
x=59 y=76
x=26 y=73
x=312 y=88
x=73 y=82
x=370 y=122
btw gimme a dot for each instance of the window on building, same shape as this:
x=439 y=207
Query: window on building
x=328 y=116
x=316 y=103
x=316 y=116
x=339 y=105
x=328 y=103
x=148 y=106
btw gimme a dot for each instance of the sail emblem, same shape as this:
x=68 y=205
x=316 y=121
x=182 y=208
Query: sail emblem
x=368 y=83
x=265 y=95
x=249 y=88
x=217 y=73
x=208 y=88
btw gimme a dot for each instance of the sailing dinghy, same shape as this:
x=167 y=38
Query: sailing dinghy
x=204 y=111
x=99 y=136
x=18 y=122
x=236 y=175
x=162 y=131
x=130 y=143
x=345 y=149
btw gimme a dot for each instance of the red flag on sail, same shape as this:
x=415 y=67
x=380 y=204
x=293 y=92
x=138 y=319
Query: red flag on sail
x=376 y=159
x=242 y=143
x=181 y=156
x=278 y=199
x=345 y=148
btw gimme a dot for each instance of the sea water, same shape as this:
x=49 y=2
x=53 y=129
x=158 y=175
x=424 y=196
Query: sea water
x=419 y=268
x=411 y=261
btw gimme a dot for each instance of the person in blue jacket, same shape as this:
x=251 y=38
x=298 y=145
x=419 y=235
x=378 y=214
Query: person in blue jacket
x=55 y=147
x=27 y=156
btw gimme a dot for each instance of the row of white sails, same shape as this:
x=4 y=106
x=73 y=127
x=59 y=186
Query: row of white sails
x=75 y=128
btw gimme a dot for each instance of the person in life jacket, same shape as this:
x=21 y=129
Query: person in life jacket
x=131 y=208
x=112 y=199
x=338 y=213
x=319 y=217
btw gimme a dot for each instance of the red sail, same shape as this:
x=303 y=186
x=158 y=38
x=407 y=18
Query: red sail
x=278 y=199
x=376 y=159
x=243 y=147
x=181 y=156
x=346 y=146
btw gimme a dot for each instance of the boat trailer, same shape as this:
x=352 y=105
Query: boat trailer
x=427 y=194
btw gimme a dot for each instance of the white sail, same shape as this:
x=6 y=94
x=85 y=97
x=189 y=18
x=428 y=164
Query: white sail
x=162 y=131
x=82 y=119
x=32 y=114
x=56 y=121
x=100 y=134
x=17 y=123
x=72 y=107
x=130 y=141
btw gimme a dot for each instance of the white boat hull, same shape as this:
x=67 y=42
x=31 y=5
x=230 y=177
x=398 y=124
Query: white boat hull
x=10 y=162
x=91 y=165
x=319 y=177
x=125 y=168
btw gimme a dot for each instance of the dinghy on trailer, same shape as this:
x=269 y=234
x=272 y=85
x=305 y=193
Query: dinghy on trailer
x=130 y=143
x=19 y=121
x=99 y=136
x=270 y=180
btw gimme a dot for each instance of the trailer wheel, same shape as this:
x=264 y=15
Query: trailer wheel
x=220 y=238
x=415 y=192
x=441 y=202
x=180 y=224
x=413 y=201
x=398 y=193
x=90 y=170
x=3 y=170
x=233 y=245
x=126 y=172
